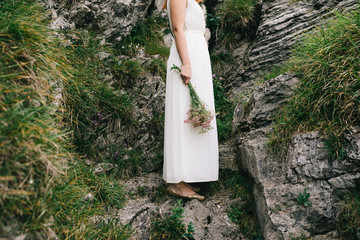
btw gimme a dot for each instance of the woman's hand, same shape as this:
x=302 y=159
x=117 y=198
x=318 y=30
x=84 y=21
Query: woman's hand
x=185 y=73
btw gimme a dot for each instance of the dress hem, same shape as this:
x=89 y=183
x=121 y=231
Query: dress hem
x=192 y=181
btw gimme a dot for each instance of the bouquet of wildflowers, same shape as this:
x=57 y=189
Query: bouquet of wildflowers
x=198 y=114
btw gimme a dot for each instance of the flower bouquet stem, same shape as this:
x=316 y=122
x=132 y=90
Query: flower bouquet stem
x=198 y=114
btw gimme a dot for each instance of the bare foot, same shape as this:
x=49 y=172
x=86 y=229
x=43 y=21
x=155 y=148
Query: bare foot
x=182 y=189
x=196 y=189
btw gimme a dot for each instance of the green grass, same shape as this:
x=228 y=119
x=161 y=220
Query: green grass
x=129 y=161
x=236 y=16
x=232 y=17
x=91 y=103
x=35 y=195
x=273 y=73
x=72 y=213
x=213 y=23
x=126 y=73
x=328 y=97
x=302 y=236
x=32 y=138
x=244 y=217
x=348 y=220
x=160 y=194
x=225 y=108
x=222 y=61
x=158 y=67
x=243 y=212
x=172 y=226
x=147 y=34
x=94 y=105
x=303 y=198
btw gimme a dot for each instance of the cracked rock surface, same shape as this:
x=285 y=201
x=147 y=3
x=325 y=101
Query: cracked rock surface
x=279 y=182
x=209 y=217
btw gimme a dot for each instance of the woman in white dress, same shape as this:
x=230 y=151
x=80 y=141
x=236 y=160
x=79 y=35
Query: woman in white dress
x=188 y=156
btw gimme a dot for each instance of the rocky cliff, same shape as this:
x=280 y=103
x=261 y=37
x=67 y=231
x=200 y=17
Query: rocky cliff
x=277 y=182
x=112 y=21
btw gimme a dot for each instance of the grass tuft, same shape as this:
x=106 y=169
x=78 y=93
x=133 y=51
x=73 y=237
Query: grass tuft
x=171 y=227
x=126 y=72
x=129 y=161
x=34 y=137
x=328 y=97
x=225 y=108
x=348 y=220
x=90 y=101
x=147 y=34
x=236 y=17
x=79 y=204
x=33 y=140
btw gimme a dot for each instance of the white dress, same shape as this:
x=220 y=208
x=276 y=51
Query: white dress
x=188 y=155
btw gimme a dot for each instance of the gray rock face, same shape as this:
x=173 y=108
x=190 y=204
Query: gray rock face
x=148 y=109
x=227 y=156
x=308 y=158
x=138 y=213
x=278 y=183
x=209 y=217
x=282 y=24
x=112 y=19
x=264 y=102
x=210 y=221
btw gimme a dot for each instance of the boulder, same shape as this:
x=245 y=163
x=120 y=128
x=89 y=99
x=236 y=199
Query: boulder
x=263 y=102
x=112 y=20
x=227 y=156
x=209 y=217
x=280 y=181
x=282 y=24
x=306 y=168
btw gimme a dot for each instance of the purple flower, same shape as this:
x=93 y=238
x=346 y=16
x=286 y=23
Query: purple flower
x=85 y=155
x=116 y=153
x=220 y=78
x=213 y=75
x=99 y=114
x=95 y=123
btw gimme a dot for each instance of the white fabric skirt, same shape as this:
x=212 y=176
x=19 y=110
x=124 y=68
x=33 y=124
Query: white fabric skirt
x=188 y=155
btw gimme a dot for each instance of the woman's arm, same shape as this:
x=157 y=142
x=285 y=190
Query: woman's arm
x=177 y=8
